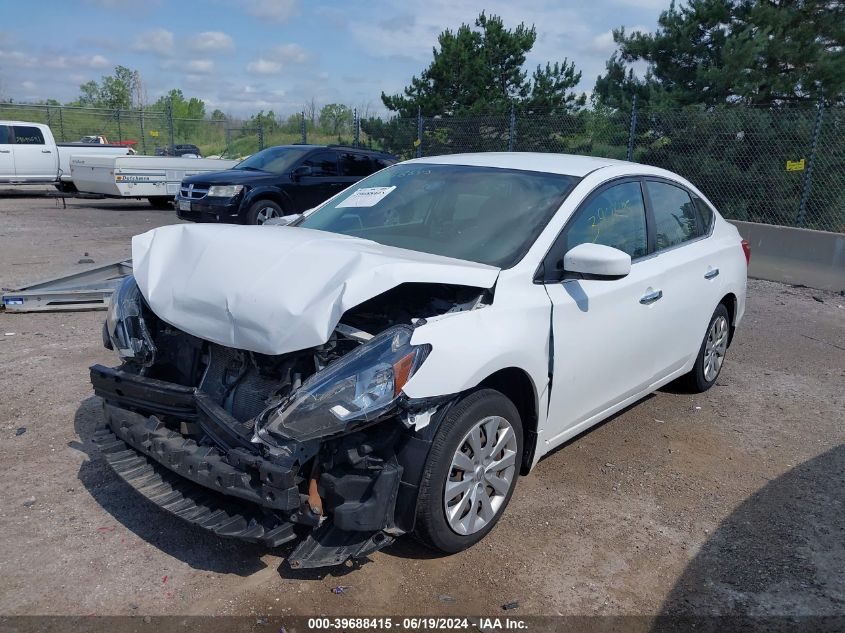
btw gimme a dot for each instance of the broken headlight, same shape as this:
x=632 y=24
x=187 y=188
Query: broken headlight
x=358 y=388
x=125 y=326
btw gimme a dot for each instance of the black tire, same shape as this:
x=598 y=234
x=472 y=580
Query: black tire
x=432 y=526
x=66 y=187
x=696 y=381
x=262 y=206
x=161 y=202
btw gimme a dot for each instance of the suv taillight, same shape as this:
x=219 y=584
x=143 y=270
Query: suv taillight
x=747 y=250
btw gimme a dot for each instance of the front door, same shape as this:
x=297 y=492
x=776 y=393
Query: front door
x=7 y=157
x=323 y=182
x=605 y=331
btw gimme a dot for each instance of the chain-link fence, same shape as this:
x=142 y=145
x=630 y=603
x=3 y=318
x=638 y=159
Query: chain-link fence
x=775 y=165
x=781 y=165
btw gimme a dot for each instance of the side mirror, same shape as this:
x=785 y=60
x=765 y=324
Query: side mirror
x=284 y=220
x=595 y=261
x=300 y=172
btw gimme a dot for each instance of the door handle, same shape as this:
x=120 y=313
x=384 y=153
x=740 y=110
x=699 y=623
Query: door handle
x=5 y=151
x=46 y=151
x=651 y=297
x=711 y=274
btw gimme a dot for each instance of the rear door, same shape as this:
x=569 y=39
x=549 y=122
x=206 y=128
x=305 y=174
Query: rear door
x=691 y=284
x=7 y=157
x=34 y=158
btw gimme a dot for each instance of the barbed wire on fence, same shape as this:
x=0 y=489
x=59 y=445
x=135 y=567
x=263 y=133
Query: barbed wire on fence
x=774 y=165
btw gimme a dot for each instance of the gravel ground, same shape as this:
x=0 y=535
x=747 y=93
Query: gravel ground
x=726 y=502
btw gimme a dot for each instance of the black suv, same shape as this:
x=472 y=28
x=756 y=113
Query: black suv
x=181 y=149
x=274 y=182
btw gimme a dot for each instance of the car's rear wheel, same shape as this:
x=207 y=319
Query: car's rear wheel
x=711 y=354
x=471 y=471
x=263 y=210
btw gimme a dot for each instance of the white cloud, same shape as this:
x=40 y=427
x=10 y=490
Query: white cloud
x=98 y=61
x=278 y=10
x=603 y=43
x=157 y=41
x=199 y=66
x=293 y=53
x=18 y=59
x=212 y=42
x=28 y=85
x=263 y=66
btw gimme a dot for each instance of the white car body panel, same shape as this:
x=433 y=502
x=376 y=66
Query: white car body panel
x=278 y=289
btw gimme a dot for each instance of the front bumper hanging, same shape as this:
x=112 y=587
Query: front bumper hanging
x=227 y=486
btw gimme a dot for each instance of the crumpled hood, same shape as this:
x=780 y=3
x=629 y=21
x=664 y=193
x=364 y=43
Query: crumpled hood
x=273 y=289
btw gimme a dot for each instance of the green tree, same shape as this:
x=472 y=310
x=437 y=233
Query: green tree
x=481 y=69
x=747 y=51
x=218 y=115
x=114 y=91
x=335 y=118
x=183 y=108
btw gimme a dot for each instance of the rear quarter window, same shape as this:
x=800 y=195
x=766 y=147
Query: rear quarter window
x=4 y=134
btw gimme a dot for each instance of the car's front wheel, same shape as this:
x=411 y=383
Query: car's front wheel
x=471 y=471
x=263 y=210
x=711 y=354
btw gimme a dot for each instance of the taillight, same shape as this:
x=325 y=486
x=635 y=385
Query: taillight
x=747 y=250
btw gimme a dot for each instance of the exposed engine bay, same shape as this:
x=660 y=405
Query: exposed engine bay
x=250 y=445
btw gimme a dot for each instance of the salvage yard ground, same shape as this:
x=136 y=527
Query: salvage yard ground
x=732 y=500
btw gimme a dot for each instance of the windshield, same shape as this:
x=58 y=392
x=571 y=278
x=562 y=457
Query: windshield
x=274 y=159
x=479 y=214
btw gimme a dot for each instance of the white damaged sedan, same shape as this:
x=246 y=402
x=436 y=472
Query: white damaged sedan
x=394 y=359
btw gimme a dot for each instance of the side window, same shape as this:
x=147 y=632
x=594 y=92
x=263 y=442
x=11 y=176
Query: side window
x=675 y=220
x=614 y=217
x=26 y=135
x=4 y=134
x=322 y=164
x=355 y=165
x=705 y=214
x=381 y=163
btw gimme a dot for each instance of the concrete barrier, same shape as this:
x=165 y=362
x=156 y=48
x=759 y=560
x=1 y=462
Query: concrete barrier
x=795 y=256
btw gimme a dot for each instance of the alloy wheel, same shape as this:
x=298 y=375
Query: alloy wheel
x=715 y=348
x=481 y=475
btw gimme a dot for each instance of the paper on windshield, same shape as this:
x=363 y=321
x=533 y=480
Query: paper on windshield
x=276 y=289
x=366 y=197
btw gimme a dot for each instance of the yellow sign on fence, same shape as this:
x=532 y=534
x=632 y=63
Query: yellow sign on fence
x=154 y=133
x=795 y=165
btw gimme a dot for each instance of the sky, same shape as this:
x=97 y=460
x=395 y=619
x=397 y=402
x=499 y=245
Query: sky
x=242 y=56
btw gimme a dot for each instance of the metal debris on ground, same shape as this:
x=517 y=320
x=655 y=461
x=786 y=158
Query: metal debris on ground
x=87 y=290
x=340 y=589
x=20 y=430
x=510 y=605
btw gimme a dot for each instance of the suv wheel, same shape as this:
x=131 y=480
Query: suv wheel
x=263 y=210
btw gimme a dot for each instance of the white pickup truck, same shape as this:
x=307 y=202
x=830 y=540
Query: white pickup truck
x=30 y=155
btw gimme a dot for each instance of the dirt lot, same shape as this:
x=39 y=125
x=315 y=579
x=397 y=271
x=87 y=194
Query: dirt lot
x=728 y=501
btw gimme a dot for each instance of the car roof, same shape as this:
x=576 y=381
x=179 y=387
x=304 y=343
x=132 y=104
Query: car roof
x=567 y=164
x=361 y=150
